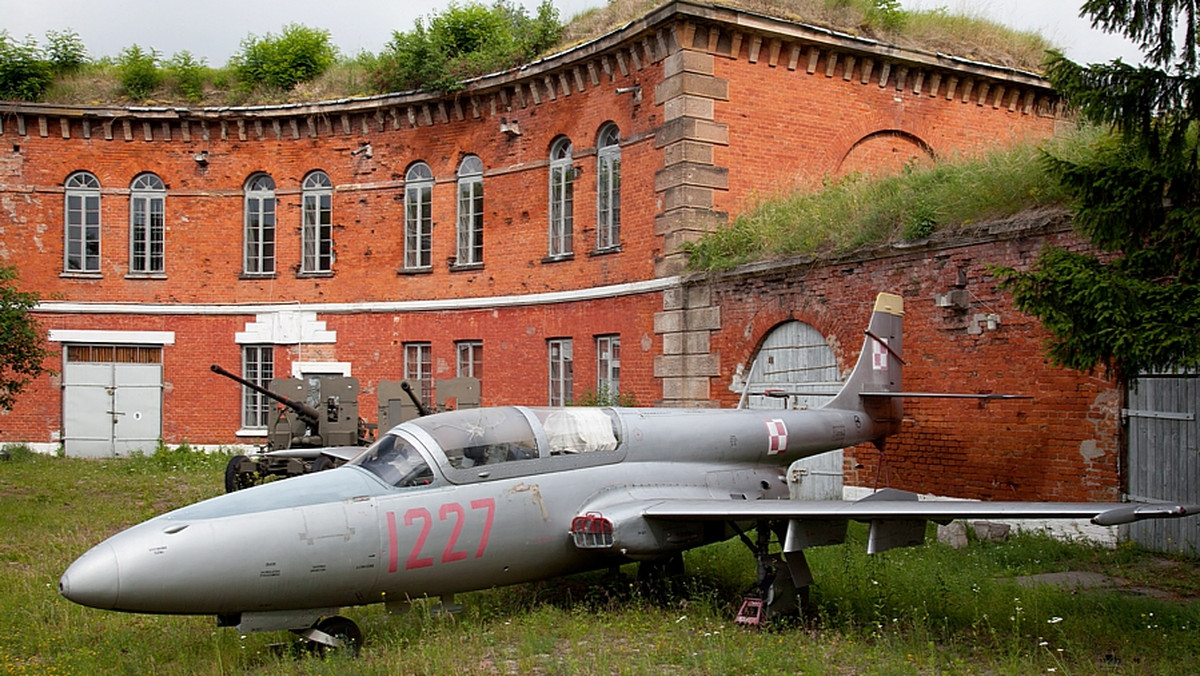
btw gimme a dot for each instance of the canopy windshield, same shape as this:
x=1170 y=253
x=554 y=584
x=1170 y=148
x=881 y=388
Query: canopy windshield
x=487 y=436
x=395 y=461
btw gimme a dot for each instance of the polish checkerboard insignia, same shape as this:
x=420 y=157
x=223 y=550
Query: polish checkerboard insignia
x=777 y=436
x=879 y=354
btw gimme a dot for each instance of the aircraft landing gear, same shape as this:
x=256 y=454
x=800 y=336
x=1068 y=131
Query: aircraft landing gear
x=333 y=634
x=782 y=584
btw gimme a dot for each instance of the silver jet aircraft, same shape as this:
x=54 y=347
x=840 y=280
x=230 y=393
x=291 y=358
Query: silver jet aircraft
x=480 y=498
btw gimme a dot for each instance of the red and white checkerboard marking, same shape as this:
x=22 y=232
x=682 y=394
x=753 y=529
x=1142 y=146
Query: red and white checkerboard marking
x=776 y=437
x=879 y=355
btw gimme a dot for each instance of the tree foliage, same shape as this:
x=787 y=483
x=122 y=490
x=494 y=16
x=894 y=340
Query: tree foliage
x=465 y=41
x=298 y=54
x=22 y=351
x=1134 y=306
x=24 y=74
x=139 y=72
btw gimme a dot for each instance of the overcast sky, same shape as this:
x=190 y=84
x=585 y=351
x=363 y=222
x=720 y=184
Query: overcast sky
x=213 y=29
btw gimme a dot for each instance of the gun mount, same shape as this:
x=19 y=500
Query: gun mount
x=317 y=414
x=318 y=425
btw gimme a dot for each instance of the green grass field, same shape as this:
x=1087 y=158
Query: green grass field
x=915 y=611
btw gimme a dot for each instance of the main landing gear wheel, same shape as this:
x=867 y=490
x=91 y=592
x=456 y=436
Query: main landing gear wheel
x=235 y=479
x=335 y=634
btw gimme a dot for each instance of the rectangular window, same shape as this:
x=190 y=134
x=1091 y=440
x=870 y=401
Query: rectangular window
x=608 y=367
x=608 y=199
x=83 y=233
x=258 y=366
x=317 y=233
x=260 y=235
x=418 y=226
x=561 y=371
x=470 y=358
x=470 y=221
x=418 y=368
x=562 y=209
x=146 y=234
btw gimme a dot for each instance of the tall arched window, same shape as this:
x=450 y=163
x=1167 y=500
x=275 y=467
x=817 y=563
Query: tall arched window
x=147 y=224
x=316 y=232
x=608 y=188
x=562 y=197
x=470 y=211
x=81 y=223
x=259 y=254
x=418 y=219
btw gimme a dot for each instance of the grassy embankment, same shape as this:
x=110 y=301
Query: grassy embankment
x=858 y=211
x=925 y=610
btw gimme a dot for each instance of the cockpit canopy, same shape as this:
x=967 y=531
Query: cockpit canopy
x=490 y=436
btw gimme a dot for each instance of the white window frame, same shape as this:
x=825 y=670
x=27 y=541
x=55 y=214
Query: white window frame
x=608 y=365
x=259 y=221
x=418 y=367
x=608 y=188
x=316 y=232
x=560 y=383
x=147 y=225
x=469 y=357
x=257 y=409
x=562 y=199
x=418 y=217
x=81 y=223
x=469 y=233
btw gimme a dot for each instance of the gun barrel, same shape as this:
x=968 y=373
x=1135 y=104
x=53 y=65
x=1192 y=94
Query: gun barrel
x=421 y=410
x=310 y=414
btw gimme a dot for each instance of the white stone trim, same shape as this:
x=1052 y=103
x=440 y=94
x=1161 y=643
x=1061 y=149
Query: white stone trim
x=285 y=326
x=112 y=337
x=391 y=307
x=341 y=368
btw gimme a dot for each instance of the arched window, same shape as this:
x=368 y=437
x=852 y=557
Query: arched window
x=418 y=219
x=608 y=188
x=259 y=254
x=316 y=232
x=470 y=211
x=562 y=197
x=81 y=223
x=147 y=224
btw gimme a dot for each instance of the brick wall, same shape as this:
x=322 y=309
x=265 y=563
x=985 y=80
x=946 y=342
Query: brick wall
x=1063 y=444
x=715 y=109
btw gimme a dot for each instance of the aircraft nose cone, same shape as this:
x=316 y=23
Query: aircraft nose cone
x=93 y=580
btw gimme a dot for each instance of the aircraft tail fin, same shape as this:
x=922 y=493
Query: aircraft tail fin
x=880 y=367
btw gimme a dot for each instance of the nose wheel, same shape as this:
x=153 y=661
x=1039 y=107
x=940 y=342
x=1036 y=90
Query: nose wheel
x=333 y=634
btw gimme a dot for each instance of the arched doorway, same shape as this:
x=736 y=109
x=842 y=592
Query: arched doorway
x=795 y=368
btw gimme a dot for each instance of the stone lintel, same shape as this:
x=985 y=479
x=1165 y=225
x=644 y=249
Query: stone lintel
x=692 y=84
x=689 y=106
x=689 y=220
x=687 y=342
x=691 y=129
x=685 y=391
x=691 y=174
x=686 y=366
x=688 y=151
x=685 y=196
x=687 y=61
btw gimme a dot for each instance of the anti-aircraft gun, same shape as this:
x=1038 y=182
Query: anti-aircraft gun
x=317 y=428
x=318 y=425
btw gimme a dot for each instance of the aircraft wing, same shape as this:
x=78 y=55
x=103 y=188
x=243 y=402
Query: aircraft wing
x=891 y=504
x=897 y=518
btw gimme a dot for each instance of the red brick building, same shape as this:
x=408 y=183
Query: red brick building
x=526 y=229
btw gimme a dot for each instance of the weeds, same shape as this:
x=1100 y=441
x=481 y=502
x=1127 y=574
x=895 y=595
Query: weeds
x=859 y=210
x=925 y=610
